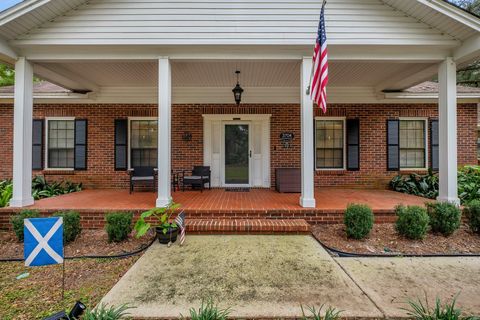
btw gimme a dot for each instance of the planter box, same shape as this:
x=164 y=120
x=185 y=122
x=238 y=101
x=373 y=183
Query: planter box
x=288 y=180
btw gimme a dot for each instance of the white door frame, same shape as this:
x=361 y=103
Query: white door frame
x=214 y=125
x=223 y=158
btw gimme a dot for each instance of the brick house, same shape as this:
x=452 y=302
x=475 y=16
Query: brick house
x=150 y=84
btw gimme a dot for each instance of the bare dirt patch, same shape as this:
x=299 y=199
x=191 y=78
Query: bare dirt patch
x=39 y=295
x=90 y=242
x=383 y=239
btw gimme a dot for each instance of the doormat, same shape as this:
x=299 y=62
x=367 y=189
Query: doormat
x=238 y=189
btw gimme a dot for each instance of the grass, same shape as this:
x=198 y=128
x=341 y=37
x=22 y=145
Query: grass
x=39 y=295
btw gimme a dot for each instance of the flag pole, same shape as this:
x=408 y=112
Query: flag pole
x=63 y=272
x=311 y=71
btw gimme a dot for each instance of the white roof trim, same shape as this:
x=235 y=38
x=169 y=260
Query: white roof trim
x=20 y=9
x=453 y=12
x=420 y=95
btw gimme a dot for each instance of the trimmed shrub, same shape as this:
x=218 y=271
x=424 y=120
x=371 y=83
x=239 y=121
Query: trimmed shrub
x=119 y=226
x=358 y=220
x=445 y=217
x=412 y=221
x=17 y=221
x=71 y=225
x=472 y=210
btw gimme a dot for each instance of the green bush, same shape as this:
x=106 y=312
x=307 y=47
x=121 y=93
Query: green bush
x=71 y=225
x=445 y=217
x=472 y=210
x=208 y=311
x=420 y=185
x=6 y=191
x=358 y=221
x=43 y=189
x=469 y=183
x=17 y=221
x=330 y=313
x=412 y=221
x=119 y=226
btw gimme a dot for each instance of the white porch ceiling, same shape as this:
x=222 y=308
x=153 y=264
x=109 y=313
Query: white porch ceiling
x=268 y=73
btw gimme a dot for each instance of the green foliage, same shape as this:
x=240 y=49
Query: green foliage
x=472 y=210
x=445 y=217
x=412 y=221
x=420 y=311
x=469 y=183
x=427 y=185
x=102 y=312
x=7 y=75
x=42 y=189
x=208 y=311
x=6 y=191
x=71 y=225
x=162 y=215
x=119 y=226
x=420 y=185
x=17 y=221
x=358 y=221
x=330 y=313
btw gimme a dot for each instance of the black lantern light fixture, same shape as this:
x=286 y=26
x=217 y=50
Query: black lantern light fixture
x=237 y=91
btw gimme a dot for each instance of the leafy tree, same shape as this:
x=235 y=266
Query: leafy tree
x=7 y=75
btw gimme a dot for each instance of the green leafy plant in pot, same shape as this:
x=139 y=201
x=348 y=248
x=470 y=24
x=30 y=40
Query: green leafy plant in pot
x=166 y=231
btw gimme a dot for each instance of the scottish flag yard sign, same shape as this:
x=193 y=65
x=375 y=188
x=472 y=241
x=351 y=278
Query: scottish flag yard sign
x=43 y=241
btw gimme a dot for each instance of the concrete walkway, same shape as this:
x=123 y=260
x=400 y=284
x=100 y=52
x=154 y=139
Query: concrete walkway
x=271 y=276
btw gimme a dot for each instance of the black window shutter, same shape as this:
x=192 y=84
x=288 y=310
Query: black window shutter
x=353 y=144
x=81 y=126
x=393 y=145
x=121 y=144
x=37 y=145
x=434 y=143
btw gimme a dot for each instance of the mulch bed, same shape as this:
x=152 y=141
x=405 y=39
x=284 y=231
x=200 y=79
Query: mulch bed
x=90 y=242
x=383 y=239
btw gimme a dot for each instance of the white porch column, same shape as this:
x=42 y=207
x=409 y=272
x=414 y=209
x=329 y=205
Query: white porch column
x=307 y=198
x=164 y=131
x=22 y=134
x=447 y=114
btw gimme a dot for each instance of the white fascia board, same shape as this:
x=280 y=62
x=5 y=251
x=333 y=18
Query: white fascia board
x=453 y=12
x=20 y=9
x=468 y=51
x=411 y=95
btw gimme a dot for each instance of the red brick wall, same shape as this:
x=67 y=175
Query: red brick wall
x=285 y=118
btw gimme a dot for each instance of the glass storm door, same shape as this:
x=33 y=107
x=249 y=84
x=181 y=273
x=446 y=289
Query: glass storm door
x=237 y=154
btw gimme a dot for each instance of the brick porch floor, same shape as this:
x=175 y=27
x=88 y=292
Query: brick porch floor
x=220 y=204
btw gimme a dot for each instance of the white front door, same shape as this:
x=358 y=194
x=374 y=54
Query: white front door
x=237 y=154
x=237 y=149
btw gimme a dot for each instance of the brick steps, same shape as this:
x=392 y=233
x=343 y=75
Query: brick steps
x=247 y=226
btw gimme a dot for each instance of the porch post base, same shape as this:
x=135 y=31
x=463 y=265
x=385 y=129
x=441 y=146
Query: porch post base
x=20 y=203
x=163 y=202
x=307 y=203
x=453 y=200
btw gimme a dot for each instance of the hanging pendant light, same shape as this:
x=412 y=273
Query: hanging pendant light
x=237 y=91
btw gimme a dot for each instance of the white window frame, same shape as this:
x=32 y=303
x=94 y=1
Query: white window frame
x=129 y=144
x=47 y=120
x=426 y=143
x=344 y=119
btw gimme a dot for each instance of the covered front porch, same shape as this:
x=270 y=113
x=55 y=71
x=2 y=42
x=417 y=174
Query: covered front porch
x=223 y=204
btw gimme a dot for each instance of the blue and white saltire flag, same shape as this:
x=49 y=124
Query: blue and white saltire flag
x=43 y=241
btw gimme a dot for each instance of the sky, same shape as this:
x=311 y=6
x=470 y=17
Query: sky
x=5 y=4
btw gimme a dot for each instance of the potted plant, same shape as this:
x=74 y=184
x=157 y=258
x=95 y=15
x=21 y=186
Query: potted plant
x=166 y=231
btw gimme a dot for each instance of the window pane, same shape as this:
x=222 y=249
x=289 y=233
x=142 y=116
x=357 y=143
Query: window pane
x=329 y=144
x=61 y=143
x=143 y=143
x=412 y=144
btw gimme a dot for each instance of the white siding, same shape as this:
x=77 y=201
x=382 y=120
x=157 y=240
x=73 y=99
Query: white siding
x=233 y=22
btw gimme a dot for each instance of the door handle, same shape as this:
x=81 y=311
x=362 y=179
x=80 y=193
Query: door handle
x=250 y=153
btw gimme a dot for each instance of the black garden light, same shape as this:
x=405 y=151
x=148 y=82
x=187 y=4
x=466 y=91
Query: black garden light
x=76 y=312
x=237 y=91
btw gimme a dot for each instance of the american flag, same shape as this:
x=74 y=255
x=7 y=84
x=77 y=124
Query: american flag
x=180 y=221
x=319 y=82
